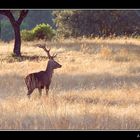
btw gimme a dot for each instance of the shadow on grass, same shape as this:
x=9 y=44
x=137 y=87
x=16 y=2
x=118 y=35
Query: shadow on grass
x=12 y=59
x=94 y=81
x=13 y=83
x=134 y=70
x=94 y=100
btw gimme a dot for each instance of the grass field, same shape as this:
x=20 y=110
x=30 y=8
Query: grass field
x=98 y=86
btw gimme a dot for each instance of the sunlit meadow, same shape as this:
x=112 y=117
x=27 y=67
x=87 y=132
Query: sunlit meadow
x=97 y=88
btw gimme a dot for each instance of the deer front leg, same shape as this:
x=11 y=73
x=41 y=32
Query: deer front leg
x=47 y=90
x=40 y=91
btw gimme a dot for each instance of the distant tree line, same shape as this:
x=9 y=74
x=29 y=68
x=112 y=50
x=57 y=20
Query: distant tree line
x=77 y=23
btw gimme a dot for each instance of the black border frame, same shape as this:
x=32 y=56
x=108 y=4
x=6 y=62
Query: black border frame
x=71 y=134
x=66 y=4
x=70 y=4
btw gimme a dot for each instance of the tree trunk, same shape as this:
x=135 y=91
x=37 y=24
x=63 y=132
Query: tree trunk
x=17 y=45
x=16 y=26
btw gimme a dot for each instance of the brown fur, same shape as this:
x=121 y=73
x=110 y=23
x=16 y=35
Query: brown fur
x=41 y=79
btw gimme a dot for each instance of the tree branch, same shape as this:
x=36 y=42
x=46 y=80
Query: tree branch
x=9 y=14
x=23 y=14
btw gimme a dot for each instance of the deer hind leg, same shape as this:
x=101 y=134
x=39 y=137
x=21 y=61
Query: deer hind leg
x=29 y=93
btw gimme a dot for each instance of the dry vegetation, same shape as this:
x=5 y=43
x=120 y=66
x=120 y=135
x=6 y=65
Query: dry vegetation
x=98 y=86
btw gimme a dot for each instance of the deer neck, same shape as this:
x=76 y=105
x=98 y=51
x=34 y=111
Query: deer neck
x=49 y=71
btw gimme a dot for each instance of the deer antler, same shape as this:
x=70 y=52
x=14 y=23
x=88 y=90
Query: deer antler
x=46 y=50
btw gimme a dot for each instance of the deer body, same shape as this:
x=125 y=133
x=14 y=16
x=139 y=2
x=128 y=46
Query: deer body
x=41 y=79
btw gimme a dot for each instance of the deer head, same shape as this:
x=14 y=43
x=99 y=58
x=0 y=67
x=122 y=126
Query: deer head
x=52 y=63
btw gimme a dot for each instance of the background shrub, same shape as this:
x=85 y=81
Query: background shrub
x=27 y=35
x=43 y=31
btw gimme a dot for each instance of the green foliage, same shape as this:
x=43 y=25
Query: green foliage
x=24 y=26
x=6 y=30
x=62 y=21
x=41 y=31
x=96 y=22
x=33 y=18
x=27 y=35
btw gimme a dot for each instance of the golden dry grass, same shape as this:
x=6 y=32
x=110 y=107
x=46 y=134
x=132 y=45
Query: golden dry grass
x=98 y=86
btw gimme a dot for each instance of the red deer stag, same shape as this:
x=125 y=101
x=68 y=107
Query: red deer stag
x=43 y=78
